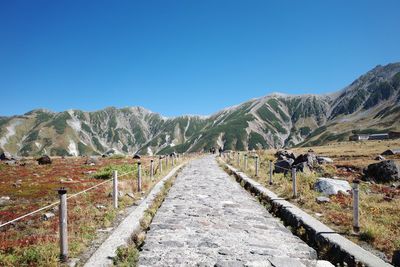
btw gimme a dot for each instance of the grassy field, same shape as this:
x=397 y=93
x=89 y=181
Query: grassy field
x=379 y=204
x=34 y=241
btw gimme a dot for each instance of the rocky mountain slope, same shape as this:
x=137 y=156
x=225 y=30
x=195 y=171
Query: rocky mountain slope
x=370 y=104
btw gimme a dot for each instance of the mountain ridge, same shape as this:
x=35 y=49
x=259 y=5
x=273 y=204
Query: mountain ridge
x=371 y=102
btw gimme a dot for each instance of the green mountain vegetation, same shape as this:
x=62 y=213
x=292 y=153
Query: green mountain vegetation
x=370 y=104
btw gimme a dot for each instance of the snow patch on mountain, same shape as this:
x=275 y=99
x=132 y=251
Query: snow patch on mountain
x=72 y=148
x=11 y=131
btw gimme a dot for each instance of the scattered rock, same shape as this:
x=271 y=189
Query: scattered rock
x=73 y=262
x=380 y=157
x=329 y=186
x=10 y=162
x=131 y=195
x=390 y=152
x=322 y=160
x=382 y=172
x=101 y=207
x=17 y=184
x=67 y=181
x=4 y=201
x=318 y=214
x=92 y=161
x=321 y=200
x=47 y=216
x=283 y=166
x=44 y=160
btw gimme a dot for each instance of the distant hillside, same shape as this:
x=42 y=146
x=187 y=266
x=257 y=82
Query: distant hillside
x=371 y=103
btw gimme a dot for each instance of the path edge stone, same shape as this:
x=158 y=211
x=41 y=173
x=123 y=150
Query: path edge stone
x=121 y=235
x=329 y=244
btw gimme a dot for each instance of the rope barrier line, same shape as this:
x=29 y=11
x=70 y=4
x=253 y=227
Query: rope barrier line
x=121 y=175
x=29 y=214
x=53 y=204
x=90 y=188
x=58 y=202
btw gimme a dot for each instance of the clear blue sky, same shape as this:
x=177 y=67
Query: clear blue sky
x=186 y=57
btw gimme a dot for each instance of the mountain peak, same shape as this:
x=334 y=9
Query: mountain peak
x=370 y=103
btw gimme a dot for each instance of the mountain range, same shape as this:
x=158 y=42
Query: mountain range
x=371 y=104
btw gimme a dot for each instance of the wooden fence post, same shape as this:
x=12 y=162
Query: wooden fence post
x=245 y=162
x=256 y=157
x=152 y=169
x=294 y=182
x=270 y=172
x=63 y=218
x=166 y=161
x=139 y=178
x=160 y=163
x=115 y=189
x=356 y=211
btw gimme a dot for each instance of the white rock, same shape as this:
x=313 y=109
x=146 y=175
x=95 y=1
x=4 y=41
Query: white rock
x=330 y=186
x=322 y=200
x=48 y=215
x=101 y=207
x=324 y=160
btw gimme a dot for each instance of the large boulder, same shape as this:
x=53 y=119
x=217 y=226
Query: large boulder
x=393 y=151
x=329 y=186
x=6 y=156
x=283 y=166
x=383 y=172
x=44 y=160
x=303 y=167
x=305 y=160
x=285 y=154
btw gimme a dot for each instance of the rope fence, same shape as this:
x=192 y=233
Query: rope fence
x=63 y=196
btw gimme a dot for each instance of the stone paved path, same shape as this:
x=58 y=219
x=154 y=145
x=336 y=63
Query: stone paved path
x=207 y=219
